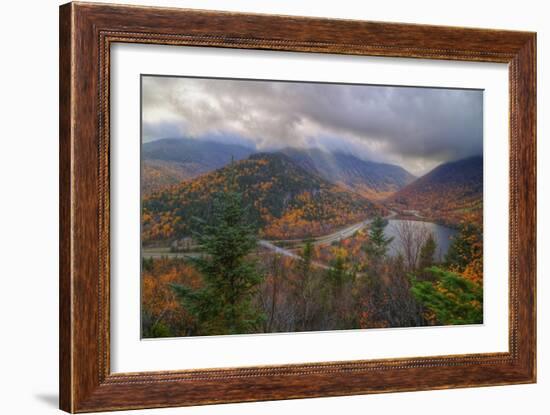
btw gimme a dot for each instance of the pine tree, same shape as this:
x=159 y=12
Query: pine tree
x=466 y=247
x=377 y=245
x=376 y=248
x=223 y=305
x=427 y=253
x=306 y=258
x=337 y=274
x=304 y=286
x=337 y=296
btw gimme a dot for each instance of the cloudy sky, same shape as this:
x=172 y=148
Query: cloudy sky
x=416 y=128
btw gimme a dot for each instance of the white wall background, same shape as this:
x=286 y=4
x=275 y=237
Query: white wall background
x=28 y=205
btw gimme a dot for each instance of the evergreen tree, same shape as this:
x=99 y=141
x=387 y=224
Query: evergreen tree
x=304 y=287
x=306 y=257
x=450 y=298
x=427 y=253
x=466 y=247
x=223 y=305
x=337 y=274
x=375 y=300
x=338 y=295
x=377 y=245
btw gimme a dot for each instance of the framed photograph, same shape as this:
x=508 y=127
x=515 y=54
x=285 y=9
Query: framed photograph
x=259 y=207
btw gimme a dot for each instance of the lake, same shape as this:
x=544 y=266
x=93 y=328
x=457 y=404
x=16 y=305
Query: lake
x=442 y=236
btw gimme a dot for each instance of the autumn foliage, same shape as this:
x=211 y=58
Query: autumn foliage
x=449 y=194
x=162 y=314
x=284 y=201
x=229 y=283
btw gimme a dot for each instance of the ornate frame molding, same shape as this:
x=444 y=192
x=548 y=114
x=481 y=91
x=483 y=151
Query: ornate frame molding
x=87 y=32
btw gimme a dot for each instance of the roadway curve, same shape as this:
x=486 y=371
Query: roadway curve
x=321 y=240
x=271 y=245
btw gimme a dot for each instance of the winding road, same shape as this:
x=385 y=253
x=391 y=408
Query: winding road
x=321 y=240
x=286 y=252
x=271 y=245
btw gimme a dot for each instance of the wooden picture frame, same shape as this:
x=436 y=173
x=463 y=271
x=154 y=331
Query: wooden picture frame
x=86 y=33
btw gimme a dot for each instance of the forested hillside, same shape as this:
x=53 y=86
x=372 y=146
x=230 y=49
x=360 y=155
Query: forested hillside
x=285 y=201
x=368 y=178
x=169 y=161
x=448 y=194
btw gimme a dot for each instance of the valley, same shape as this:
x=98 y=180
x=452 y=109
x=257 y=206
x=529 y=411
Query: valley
x=284 y=201
x=327 y=232
x=294 y=194
x=448 y=194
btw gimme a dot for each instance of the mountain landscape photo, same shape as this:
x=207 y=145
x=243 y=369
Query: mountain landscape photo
x=280 y=207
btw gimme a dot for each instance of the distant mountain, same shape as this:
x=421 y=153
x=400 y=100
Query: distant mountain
x=171 y=160
x=370 y=179
x=285 y=200
x=447 y=193
x=160 y=174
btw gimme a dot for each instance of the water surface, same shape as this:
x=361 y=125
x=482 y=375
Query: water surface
x=442 y=235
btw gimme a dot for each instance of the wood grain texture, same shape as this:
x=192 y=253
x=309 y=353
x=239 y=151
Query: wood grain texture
x=65 y=247
x=86 y=33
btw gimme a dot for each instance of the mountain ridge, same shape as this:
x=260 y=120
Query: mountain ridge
x=169 y=161
x=285 y=200
x=374 y=180
x=447 y=193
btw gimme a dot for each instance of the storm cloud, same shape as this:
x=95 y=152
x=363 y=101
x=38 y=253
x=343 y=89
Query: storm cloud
x=416 y=128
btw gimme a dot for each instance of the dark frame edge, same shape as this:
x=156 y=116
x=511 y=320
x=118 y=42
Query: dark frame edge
x=66 y=399
x=526 y=115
